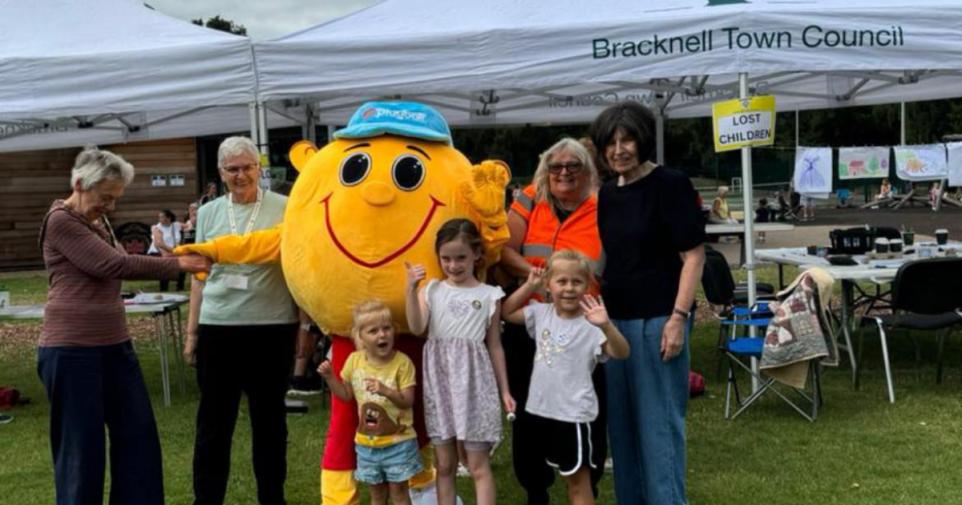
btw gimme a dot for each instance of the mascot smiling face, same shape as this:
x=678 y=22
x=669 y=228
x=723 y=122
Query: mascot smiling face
x=370 y=201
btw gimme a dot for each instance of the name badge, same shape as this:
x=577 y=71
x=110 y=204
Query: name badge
x=235 y=281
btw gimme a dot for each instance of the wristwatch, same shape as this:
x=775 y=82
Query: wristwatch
x=683 y=313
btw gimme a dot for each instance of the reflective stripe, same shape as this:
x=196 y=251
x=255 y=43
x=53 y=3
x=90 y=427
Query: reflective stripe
x=536 y=251
x=525 y=201
x=543 y=252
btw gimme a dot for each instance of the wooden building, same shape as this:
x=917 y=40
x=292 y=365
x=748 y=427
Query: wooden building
x=166 y=178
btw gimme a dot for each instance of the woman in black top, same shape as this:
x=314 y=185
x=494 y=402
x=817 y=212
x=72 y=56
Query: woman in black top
x=652 y=231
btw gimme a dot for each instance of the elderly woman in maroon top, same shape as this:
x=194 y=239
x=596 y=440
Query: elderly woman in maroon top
x=85 y=358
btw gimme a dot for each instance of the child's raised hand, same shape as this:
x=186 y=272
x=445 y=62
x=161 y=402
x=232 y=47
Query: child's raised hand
x=374 y=386
x=325 y=370
x=594 y=310
x=535 y=277
x=416 y=274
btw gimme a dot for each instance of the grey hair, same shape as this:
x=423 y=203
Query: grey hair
x=94 y=166
x=540 y=179
x=235 y=146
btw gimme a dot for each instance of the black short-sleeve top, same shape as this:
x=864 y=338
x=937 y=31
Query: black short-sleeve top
x=644 y=226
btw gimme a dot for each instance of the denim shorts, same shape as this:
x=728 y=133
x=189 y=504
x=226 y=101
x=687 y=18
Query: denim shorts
x=394 y=463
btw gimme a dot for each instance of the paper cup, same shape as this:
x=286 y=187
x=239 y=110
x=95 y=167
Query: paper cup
x=881 y=245
x=942 y=236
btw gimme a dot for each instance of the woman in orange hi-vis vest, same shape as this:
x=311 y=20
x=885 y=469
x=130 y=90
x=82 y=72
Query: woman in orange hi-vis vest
x=557 y=211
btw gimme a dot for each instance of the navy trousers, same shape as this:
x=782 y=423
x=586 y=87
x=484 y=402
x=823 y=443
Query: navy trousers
x=90 y=388
x=256 y=361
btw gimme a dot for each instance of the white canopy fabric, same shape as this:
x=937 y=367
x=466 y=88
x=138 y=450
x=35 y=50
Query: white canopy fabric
x=77 y=71
x=508 y=61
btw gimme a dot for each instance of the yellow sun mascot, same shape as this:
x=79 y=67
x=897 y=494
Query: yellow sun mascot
x=363 y=206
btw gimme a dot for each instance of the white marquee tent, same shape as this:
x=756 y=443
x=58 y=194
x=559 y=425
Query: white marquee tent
x=74 y=72
x=506 y=61
x=510 y=61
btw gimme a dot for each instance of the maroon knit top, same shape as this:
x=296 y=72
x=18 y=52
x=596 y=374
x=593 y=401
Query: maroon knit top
x=85 y=270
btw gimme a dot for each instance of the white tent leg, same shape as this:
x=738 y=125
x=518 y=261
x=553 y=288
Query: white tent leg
x=902 y=123
x=310 y=125
x=749 y=213
x=796 y=128
x=262 y=145
x=660 y=136
x=252 y=108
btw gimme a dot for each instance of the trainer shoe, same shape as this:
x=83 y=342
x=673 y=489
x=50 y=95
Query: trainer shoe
x=302 y=386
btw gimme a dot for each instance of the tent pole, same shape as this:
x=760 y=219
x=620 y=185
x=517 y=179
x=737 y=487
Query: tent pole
x=749 y=211
x=660 y=136
x=252 y=109
x=747 y=200
x=262 y=129
x=902 y=123
x=796 y=128
x=310 y=125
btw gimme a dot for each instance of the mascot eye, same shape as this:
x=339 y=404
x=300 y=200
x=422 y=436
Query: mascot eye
x=408 y=172
x=355 y=168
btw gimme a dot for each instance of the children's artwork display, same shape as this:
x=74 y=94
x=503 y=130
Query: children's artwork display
x=921 y=162
x=813 y=170
x=955 y=163
x=863 y=162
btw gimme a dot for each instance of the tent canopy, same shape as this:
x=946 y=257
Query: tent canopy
x=505 y=61
x=75 y=71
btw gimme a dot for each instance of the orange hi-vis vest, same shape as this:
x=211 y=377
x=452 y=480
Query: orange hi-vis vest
x=546 y=234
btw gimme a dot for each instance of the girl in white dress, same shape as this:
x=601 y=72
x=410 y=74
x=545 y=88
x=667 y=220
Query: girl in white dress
x=463 y=366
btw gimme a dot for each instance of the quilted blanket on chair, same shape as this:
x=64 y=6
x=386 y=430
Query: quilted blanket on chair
x=800 y=330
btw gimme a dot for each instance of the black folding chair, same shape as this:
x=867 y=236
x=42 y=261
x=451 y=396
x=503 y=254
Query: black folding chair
x=926 y=295
x=860 y=240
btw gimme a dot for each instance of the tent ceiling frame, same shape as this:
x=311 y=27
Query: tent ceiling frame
x=300 y=121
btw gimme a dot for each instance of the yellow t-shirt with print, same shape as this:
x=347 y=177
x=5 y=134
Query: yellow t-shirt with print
x=380 y=422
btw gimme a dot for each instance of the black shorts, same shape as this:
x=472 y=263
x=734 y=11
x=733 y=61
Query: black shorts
x=567 y=446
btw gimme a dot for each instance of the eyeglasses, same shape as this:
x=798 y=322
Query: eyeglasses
x=236 y=169
x=573 y=167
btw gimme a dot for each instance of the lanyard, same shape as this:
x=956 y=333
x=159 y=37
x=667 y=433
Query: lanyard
x=254 y=213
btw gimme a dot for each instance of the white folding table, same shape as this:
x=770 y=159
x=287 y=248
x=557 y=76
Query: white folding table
x=165 y=310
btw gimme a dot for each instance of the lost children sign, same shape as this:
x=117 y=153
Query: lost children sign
x=743 y=123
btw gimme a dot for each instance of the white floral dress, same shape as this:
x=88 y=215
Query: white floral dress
x=461 y=398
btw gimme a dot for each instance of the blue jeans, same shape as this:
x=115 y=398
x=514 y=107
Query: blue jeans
x=93 y=387
x=647 y=403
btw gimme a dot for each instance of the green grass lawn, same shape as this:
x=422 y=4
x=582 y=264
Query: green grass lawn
x=862 y=450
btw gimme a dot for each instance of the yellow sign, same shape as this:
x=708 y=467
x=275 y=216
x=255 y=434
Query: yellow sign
x=743 y=123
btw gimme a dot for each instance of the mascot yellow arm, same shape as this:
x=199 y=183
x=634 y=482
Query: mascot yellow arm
x=484 y=193
x=259 y=247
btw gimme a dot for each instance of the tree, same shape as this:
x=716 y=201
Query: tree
x=222 y=24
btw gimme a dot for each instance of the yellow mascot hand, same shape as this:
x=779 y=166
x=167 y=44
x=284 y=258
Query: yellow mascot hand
x=485 y=194
x=259 y=247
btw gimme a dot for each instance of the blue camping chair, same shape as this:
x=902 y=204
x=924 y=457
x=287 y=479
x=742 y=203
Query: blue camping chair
x=740 y=344
x=729 y=298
